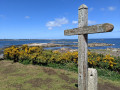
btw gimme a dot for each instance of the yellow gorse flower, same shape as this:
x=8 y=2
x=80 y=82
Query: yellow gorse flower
x=39 y=55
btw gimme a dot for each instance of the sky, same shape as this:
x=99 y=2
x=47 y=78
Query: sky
x=47 y=19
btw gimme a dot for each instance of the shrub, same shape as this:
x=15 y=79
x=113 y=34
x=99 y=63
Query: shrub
x=11 y=53
x=37 y=55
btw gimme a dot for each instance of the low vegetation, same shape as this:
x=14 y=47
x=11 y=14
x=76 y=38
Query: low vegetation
x=39 y=56
x=16 y=76
x=33 y=77
x=41 y=78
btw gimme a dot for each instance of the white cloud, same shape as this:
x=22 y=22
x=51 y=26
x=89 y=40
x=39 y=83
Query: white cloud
x=27 y=17
x=111 y=8
x=56 y=23
x=102 y=9
x=91 y=9
x=91 y=22
x=74 y=22
x=50 y=28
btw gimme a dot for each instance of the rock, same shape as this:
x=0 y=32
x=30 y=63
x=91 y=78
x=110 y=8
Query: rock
x=44 y=44
x=64 y=49
x=98 y=44
x=73 y=50
x=92 y=79
x=115 y=50
x=1 y=57
x=60 y=45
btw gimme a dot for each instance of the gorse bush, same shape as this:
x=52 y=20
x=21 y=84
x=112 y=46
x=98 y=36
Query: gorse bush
x=103 y=61
x=37 y=55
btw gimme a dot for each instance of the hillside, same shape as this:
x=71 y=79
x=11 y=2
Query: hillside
x=16 y=76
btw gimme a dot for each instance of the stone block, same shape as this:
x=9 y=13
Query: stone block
x=92 y=79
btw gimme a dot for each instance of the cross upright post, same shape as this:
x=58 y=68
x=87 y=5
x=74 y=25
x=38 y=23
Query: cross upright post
x=82 y=31
x=82 y=49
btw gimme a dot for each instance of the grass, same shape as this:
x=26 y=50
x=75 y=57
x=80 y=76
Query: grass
x=16 y=76
x=104 y=74
x=33 y=77
x=109 y=76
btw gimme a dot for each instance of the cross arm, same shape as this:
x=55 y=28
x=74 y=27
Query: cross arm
x=99 y=28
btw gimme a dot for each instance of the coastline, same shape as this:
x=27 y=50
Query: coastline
x=111 y=51
x=61 y=45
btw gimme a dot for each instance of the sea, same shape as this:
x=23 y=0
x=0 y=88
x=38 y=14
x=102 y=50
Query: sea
x=8 y=42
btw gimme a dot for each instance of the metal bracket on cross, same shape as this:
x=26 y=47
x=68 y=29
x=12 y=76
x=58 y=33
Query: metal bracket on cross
x=82 y=31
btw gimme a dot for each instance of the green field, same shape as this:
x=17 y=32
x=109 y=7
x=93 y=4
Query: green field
x=16 y=76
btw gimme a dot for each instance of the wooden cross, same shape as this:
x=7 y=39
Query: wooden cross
x=82 y=31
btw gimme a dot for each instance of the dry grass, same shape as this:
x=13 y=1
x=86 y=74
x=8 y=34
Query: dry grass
x=16 y=76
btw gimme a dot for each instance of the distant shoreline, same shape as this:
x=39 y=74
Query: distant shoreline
x=67 y=43
x=115 y=51
x=55 y=39
x=60 y=45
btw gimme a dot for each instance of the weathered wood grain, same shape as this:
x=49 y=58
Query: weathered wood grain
x=82 y=49
x=99 y=28
x=82 y=31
